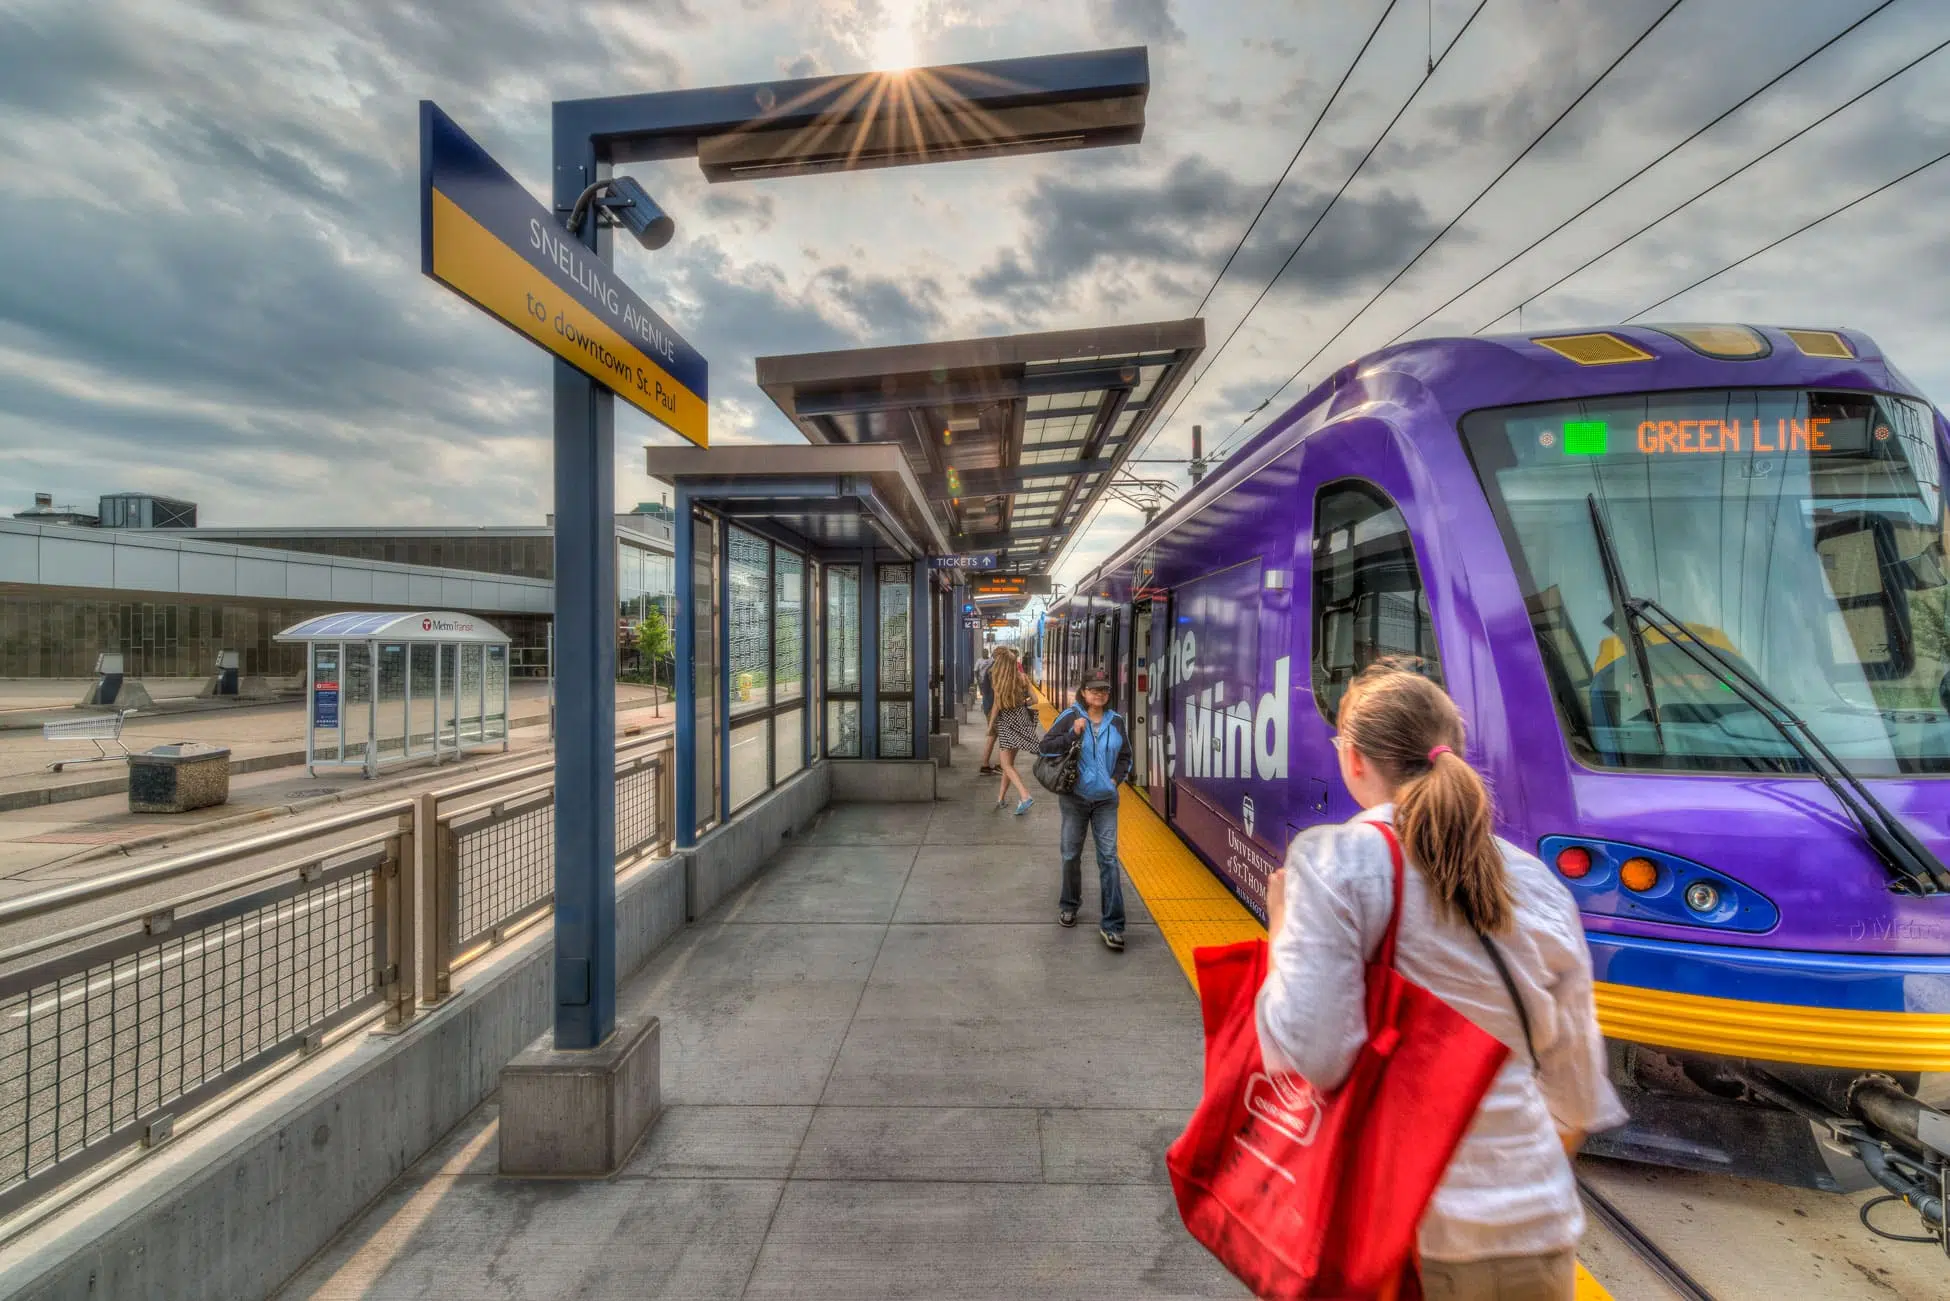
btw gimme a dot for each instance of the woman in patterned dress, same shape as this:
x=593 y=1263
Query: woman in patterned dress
x=1015 y=724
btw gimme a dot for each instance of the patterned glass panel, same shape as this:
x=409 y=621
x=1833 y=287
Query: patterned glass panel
x=897 y=729
x=750 y=559
x=843 y=729
x=788 y=626
x=843 y=628
x=896 y=628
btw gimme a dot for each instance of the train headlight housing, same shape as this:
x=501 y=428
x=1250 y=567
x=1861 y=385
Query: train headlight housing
x=1633 y=882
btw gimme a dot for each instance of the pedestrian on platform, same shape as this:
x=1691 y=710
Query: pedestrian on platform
x=1103 y=761
x=984 y=669
x=1488 y=929
x=1012 y=723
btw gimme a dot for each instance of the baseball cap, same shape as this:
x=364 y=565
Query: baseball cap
x=1100 y=680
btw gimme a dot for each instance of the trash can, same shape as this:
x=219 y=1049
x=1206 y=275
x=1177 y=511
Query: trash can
x=177 y=778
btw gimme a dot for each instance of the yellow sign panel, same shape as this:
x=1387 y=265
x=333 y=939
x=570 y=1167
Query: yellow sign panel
x=471 y=260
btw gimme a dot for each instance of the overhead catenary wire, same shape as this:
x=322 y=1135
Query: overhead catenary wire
x=1156 y=429
x=1288 y=170
x=1471 y=205
x=1729 y=178
x=1319 y=217
x=1151 y=436
x=1747 y=99
x=1799 y=230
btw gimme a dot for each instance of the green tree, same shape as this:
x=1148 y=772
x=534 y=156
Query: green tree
x=653 y=640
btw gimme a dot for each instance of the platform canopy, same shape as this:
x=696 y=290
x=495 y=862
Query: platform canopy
x=1012 y=440
x=393 y=626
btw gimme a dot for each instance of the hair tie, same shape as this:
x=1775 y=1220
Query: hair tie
x=1440 y=749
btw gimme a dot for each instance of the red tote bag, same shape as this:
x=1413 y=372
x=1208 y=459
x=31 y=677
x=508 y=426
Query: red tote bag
x=1303 y=1194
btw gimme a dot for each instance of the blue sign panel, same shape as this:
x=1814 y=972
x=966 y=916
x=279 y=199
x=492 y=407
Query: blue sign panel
x=962 y=562
x=486 y=238
x=325 y=705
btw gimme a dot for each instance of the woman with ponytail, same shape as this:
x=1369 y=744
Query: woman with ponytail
x=1487 y=928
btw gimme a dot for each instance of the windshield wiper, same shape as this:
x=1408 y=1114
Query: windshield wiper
x=1914 y=868
x=1622 y=624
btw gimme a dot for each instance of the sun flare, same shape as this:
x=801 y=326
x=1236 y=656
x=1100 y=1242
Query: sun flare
x=893 y=47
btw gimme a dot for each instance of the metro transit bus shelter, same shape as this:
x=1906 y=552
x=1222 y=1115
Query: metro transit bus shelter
x=384 y=687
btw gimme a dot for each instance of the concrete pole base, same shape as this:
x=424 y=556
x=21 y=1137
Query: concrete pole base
x=580 y=1114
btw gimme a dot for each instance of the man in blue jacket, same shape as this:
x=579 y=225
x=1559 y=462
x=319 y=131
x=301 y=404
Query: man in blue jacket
x=1103 y=761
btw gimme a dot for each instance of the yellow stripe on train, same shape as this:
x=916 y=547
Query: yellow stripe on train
x=1776 y=1032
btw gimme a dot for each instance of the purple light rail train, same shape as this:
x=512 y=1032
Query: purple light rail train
x=1688 y=585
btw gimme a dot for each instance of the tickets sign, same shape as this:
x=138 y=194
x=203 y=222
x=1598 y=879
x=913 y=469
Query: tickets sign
x=486 y=238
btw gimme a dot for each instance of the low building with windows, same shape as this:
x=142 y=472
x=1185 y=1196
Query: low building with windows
x=139 y=578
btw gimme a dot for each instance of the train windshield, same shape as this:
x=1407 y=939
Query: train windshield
x=1799 y=533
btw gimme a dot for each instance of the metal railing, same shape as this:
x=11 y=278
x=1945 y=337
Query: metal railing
x=112 y=1030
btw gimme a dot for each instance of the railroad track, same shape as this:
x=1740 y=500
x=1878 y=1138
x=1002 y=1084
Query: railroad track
x=1643 y=1247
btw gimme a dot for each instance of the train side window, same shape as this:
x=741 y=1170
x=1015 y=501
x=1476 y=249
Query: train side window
x=1369 y=601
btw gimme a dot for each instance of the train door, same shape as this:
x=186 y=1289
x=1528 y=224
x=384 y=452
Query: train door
x=1137 y=706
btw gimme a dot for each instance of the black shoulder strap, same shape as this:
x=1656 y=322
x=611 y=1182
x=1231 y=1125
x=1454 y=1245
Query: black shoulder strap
x=1523 y=1015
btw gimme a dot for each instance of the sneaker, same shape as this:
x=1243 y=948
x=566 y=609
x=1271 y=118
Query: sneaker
x=989 y=770
x=1023 y=807
x=1068 y=917
x=1113 y=942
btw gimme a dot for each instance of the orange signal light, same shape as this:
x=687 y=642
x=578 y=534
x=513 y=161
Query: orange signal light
x=1639 y=874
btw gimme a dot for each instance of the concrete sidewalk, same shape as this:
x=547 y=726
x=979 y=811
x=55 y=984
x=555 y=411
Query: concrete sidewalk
x=889 y=1072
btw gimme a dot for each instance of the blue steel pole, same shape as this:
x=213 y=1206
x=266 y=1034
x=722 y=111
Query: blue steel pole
x=585 y=643
x=686 y=670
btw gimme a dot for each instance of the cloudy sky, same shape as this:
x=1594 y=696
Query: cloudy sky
x=208 y=213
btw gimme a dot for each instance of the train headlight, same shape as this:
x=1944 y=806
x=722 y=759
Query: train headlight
x=1639 y=874
x=1702 y=896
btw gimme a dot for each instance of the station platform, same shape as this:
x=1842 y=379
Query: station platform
x=887 y=1072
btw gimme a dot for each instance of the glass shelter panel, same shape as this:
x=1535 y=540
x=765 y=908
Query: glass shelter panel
x=421 y=694
x=750 y=744
x=355 y=713
x=469 y=702
x=896 y=628
x=497 y=693
x=750 y=570
x=391 y=717
x=704 y=661
x=843 y=628
x=788 y=627
x=788 y=738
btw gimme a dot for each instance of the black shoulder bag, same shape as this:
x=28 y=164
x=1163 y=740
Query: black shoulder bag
x=1058 y=774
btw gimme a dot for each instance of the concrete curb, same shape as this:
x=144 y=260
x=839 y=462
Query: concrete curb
x=175 y=835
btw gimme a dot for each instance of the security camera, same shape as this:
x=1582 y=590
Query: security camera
x=633 y=208
x=629 y=205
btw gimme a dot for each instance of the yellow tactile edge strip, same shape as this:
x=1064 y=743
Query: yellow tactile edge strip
x=1192 y=909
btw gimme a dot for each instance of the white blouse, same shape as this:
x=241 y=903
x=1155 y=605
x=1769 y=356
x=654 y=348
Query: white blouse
x=1508 y=1190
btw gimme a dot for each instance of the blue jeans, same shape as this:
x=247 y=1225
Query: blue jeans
x=1101 y=817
